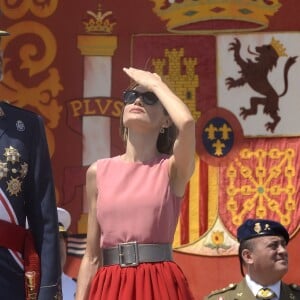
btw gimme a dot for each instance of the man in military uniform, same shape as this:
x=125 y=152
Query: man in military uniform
x=264 y=258
x=29 y=247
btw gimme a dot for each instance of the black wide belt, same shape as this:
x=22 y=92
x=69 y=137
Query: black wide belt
x=131 y=254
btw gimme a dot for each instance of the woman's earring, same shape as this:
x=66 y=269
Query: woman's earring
x=162 y=130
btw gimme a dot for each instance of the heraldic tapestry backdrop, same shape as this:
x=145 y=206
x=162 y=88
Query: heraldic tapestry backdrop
x=234 y=63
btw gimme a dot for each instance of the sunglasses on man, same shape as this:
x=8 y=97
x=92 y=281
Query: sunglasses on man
x=148 y=98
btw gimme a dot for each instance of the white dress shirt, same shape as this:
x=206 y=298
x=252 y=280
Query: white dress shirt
x=255 y=287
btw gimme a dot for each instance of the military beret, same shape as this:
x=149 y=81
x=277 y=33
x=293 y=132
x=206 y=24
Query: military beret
x=252 y=228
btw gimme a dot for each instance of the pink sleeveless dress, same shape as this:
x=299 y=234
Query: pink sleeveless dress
x=135 y=203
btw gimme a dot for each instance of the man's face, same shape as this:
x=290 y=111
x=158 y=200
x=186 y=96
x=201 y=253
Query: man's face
x=268 y=258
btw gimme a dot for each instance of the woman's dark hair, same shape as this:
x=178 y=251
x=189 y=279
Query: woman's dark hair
x=165 y=140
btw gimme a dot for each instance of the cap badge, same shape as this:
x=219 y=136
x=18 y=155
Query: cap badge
x=257 y=227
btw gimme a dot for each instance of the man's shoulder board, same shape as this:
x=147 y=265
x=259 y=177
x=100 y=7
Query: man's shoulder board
x=230 y=287
x=295 y=287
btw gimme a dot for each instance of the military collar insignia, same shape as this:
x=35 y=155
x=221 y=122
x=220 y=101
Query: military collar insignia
x=20 y=125
x=266 y=294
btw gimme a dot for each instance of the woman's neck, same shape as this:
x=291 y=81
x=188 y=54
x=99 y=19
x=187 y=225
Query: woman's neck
x=144 y=153
x=141 y=147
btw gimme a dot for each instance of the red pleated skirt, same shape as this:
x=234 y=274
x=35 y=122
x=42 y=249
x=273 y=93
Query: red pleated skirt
x=147 y=281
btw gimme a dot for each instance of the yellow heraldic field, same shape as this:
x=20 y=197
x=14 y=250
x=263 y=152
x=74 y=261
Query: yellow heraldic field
x=194 y=204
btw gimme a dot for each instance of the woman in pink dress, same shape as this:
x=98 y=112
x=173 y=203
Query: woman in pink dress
x=135 y=198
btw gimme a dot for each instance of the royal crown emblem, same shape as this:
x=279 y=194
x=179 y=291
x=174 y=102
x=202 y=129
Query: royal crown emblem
x=278 y=47
x=99 y=22
x=192 y=16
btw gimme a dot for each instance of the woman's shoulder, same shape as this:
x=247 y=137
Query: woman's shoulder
x=102 y=162
x=91 y=170
x=116 y=160
x=98 y=167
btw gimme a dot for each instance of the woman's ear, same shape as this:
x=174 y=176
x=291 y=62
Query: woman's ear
x=168 y=122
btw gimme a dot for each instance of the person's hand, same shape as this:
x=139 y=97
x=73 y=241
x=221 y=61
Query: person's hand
x=143 y=78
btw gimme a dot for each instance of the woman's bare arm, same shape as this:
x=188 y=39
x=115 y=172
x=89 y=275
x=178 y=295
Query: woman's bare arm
x=92 y=258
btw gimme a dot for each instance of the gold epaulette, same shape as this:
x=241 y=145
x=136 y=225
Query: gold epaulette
x=295 y=287
x=230 y=287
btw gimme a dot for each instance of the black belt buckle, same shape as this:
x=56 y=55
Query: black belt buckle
x=128 y=254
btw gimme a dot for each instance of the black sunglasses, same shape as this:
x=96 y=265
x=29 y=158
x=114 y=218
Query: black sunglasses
x=148 y=98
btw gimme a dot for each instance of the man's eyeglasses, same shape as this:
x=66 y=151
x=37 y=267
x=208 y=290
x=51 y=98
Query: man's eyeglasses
x=148 y=98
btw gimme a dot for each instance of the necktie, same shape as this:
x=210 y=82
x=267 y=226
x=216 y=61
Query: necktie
x=265 y=293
